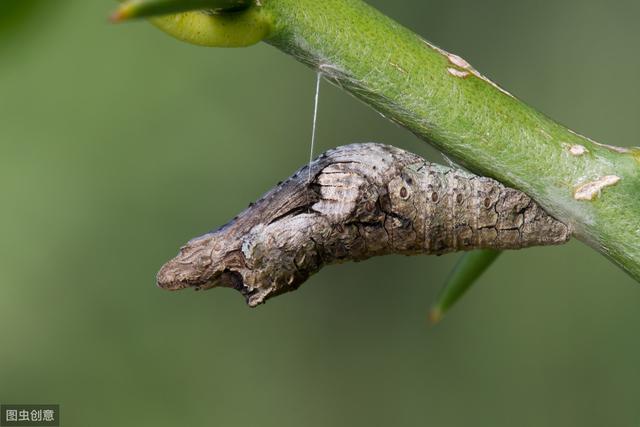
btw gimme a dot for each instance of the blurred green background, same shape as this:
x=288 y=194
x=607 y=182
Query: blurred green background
x=118 y=144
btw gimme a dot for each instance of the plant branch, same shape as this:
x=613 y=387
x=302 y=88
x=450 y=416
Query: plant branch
x=442 y=99
x=363 y=200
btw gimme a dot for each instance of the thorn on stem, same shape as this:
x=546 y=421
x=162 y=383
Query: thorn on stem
x=133 y=9
x=465 y=273
x=435 y=316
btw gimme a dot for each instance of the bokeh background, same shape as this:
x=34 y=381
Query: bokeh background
x=118 y=144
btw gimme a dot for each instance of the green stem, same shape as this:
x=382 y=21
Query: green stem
x=438 y=96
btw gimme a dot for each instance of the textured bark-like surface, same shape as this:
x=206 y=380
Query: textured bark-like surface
x=363 y=200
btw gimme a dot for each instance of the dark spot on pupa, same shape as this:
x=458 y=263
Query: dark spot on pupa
x=434 y=197
x=459 y=198
x=403 y=192
x=487 y=203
